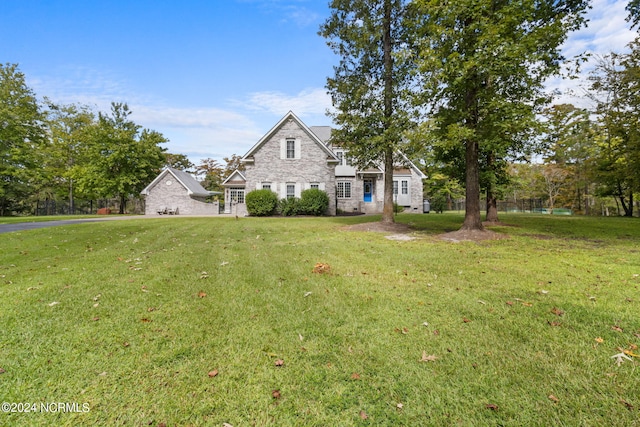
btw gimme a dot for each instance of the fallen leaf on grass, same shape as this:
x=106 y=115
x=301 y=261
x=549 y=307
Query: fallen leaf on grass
x=491 y=406
x=213 y=373
x=428 y=358
x=617 y=328
x=2 y=371
x=202 y=294
x=279 y=362
x=599 y=340
x=465 y=320
x=553 y=398
x=355 y=376
x=276 y=394
x=627 y=404
x=363 y=415
x=322 y=268
x=509 y=302
x=51 y=304
x=630 y=353
x=145 y=320
x=204 y=275
x=557 y=311
x=555 y=323
x=95 y=319
x=226 y=425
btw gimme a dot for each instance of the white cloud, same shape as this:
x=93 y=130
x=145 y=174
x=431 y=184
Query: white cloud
x=312 y=101
x=607 y=31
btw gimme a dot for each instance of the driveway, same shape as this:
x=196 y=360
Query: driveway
x=22 y=226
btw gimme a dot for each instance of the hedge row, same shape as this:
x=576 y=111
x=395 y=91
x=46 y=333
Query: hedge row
x=265 y=203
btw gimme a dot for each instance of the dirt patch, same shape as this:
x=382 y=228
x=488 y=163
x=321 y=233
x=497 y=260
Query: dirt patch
x=398 y=231
x=472 y=236
x=380 y=227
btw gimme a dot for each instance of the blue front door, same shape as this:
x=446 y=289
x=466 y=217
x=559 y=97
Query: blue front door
x=368 y=190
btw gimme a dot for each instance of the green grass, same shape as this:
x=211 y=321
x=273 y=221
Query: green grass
x=135 y=336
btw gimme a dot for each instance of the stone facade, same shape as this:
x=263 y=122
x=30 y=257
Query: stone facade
x=292 y=157
x=310 y=165
x=170 y=192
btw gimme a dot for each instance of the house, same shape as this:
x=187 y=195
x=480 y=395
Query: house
x=176 y=192
x=293 y=157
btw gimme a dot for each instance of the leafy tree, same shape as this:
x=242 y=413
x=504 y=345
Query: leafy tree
x=123 y=158
x=21 y=136
x=615 y=87
x=633 y=7
x=211 y=174
x=372 y=82
x=232 y=163
x=554 y=178
x=483 y=65
x=178 y=161
x=568 y=143
x=68 y=133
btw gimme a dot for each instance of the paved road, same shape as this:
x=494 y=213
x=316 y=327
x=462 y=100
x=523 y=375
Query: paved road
x=21 y=226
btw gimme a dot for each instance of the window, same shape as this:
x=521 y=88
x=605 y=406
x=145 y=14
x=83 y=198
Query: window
x=237 y=195
x=395 y=188
x=291 y=191
x=343 y=158
x=344 y=190
x=266 y=186
x=291 y=148
x=315 y=185
x=405 y=187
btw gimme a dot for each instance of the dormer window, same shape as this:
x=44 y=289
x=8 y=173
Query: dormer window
x=291 y=148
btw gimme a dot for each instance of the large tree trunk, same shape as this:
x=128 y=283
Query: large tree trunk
x=492 y=206
x=492 y=201
x=123 y=203
x=472 y=219
x=387 y=210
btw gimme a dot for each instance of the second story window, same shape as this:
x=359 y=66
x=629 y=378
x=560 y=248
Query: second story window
x=291 y=148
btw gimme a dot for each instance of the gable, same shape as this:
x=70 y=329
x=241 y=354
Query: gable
x=191 y=186
x=236 y=179
x=289 y=120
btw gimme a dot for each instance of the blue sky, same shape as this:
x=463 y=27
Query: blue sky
x=212 y=76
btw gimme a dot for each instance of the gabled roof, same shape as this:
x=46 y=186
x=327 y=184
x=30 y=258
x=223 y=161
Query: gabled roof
x=322 y=132
x=236 y=178
x=290 y=116
x=192 y=186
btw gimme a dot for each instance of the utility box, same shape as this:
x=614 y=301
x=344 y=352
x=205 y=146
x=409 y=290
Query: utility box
x=426 y=206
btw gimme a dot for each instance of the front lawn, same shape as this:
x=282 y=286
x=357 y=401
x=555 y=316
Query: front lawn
x=297 y=321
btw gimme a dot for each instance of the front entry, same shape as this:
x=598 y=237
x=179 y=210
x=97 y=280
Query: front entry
x=368 y=190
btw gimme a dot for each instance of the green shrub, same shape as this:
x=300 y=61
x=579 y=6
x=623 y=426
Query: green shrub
x=261 y=202
x=438 y=203
x=313 y=202
x=289 y=207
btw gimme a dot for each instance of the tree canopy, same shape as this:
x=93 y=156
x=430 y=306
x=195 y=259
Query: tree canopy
x=483 y=66
x=372 y=83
